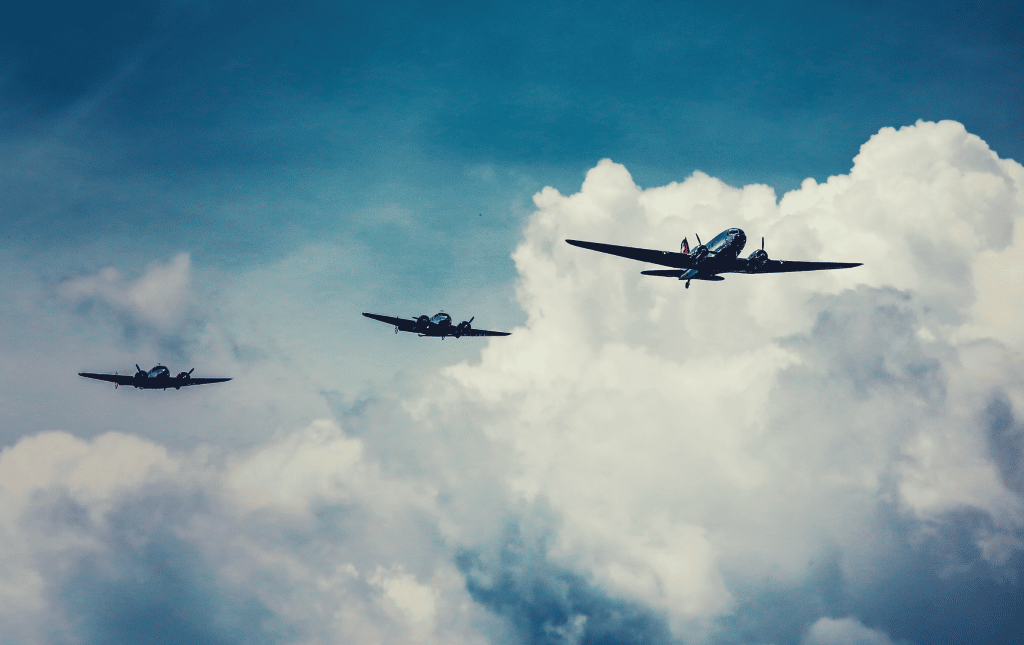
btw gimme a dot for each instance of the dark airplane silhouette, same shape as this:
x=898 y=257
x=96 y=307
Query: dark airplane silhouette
x=440 y=325
x=158 y=378
x=721 y=255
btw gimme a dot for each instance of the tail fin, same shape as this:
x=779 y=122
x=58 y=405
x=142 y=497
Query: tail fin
x=684 y=248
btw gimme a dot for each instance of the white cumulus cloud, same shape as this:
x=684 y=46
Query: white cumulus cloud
x=741 y=461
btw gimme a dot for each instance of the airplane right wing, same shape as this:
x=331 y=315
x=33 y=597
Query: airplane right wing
x=120 y=379
x=664 y=258
x=204 y=381
x=403 y=324
x=789 y=266
x=484 y=332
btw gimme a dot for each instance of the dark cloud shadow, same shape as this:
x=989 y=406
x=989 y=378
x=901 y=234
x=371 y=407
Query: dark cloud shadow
x=1006 y=441
x=142 y=582
x=546 y=602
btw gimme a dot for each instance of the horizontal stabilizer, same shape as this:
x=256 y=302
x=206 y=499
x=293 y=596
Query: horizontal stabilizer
x=677 y=273
x=665 y=273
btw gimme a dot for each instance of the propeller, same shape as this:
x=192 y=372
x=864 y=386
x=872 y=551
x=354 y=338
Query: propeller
x=700 y=252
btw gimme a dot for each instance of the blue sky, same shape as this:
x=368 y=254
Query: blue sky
x=294 y=113
x=817 y=459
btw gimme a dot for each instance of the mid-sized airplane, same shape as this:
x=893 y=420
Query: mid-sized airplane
x=440 y=325
x=158 y=378
x=706 y=262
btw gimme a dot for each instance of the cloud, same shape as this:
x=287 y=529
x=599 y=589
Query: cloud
x=844 y=631
x=157 y=303
x=116 y=540
x=695 y=444
x=738 y=462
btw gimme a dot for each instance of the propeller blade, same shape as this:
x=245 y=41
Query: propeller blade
x=698 y=240
x=191 y=370
x=471 y=319
x=137 y=367
x=762 y=242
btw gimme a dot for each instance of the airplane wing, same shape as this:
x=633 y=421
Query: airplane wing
x=484 y=332
x=204 y=381
x=403 y=324
x=786 y=266
x=664 y=258
x=120 y=379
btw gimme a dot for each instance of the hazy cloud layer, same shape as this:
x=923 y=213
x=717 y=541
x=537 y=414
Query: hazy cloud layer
x=156 y=303
x=820 y=458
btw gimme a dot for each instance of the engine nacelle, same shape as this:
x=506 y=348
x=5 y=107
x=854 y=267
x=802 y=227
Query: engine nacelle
x=699 y=253
x=422 y=323
x=463 y=327
x=756 y=261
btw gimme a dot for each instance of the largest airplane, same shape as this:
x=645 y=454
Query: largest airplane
x=706 y=262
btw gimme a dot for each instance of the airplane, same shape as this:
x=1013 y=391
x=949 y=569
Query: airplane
x=705 y=262
x=440 y=325
x=158 y=378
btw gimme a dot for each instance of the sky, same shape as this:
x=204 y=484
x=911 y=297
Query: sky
x=805 y=459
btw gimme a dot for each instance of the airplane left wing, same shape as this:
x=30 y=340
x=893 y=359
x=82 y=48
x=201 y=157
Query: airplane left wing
x=403 y=324
x=664 y=258
x=787 y=266
x=120 y=379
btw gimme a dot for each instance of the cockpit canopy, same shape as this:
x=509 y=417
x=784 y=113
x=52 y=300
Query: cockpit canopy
x=722 y=238
x=158 y=371
x=441 y=318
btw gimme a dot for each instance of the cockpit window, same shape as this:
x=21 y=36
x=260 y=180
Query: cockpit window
x=159 y=370
x=720 y=240
x=439 y=318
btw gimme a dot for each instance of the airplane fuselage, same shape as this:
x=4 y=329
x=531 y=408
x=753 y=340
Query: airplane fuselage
x=158 y=378
x=722 y=252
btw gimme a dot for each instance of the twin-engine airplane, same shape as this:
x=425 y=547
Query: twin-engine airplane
x=158 y=378
x=440 y=325
x=720 y=255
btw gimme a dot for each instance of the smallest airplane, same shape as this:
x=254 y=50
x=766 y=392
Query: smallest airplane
x=158 y=378
x=438 y=326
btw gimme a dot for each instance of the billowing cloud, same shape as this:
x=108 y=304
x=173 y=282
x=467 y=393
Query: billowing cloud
x=697 y=444
x=804 y=458
x=116 y=539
